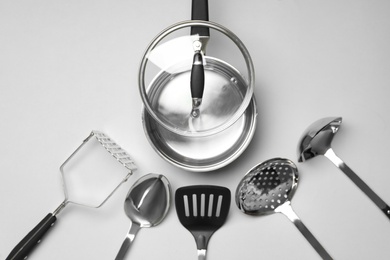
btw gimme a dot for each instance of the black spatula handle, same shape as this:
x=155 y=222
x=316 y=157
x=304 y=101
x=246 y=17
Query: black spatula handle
x=28 y=243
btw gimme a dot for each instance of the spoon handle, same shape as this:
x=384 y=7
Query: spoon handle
x=330 y=154
x=287 y=210
x=133 y=230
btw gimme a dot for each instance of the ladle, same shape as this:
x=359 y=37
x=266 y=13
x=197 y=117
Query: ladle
x=268 y=188
x=317 y=140
x=146 y=205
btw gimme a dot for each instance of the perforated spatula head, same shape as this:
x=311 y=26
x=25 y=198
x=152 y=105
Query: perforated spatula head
x=202 y=209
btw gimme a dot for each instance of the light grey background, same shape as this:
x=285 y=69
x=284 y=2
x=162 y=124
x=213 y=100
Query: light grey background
x=67 y=67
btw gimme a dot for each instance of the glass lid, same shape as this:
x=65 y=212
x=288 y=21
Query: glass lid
x=196 y=85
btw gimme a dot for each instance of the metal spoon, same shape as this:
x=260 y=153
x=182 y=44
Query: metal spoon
x=146 y=205
x=268 y=188
x=317 y=140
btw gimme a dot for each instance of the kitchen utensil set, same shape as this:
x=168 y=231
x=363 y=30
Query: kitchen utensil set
x=202 y=209
x=202 y=128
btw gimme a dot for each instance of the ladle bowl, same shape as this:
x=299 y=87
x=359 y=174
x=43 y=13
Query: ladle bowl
x=317 y=138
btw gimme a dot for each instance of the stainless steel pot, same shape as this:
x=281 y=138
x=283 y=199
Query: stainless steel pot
x=227 y=116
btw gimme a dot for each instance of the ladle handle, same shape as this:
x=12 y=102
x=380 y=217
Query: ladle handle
x=28 y=243
x=133 y=230
x=330 y=154
x=200 y=11
x=287 y=210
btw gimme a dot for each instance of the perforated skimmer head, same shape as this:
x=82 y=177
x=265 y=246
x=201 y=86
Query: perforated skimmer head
x=267 y=186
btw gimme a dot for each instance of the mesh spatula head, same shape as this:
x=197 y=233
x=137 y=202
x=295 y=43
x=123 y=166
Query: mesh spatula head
x=202 y=209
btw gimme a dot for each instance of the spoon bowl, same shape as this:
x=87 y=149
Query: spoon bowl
x=146 y=205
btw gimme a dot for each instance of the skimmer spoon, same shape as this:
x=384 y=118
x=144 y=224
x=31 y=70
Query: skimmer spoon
x=317 y=140
x=146 y=205
x=268 y=188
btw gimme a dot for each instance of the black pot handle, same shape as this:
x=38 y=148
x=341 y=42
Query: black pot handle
x=28 y=243
x=200 y=11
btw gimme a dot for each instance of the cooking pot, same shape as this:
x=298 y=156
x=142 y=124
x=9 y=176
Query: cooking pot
x=175 y=73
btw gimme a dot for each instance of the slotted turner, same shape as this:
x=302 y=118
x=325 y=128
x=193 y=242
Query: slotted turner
x=202 y=209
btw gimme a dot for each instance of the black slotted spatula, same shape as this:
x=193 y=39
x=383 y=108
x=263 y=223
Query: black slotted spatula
x=202 y=209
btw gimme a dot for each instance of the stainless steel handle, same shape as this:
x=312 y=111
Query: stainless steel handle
x=133 y=230
x=330 y=154
x=287 y=210
x=202 y=254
